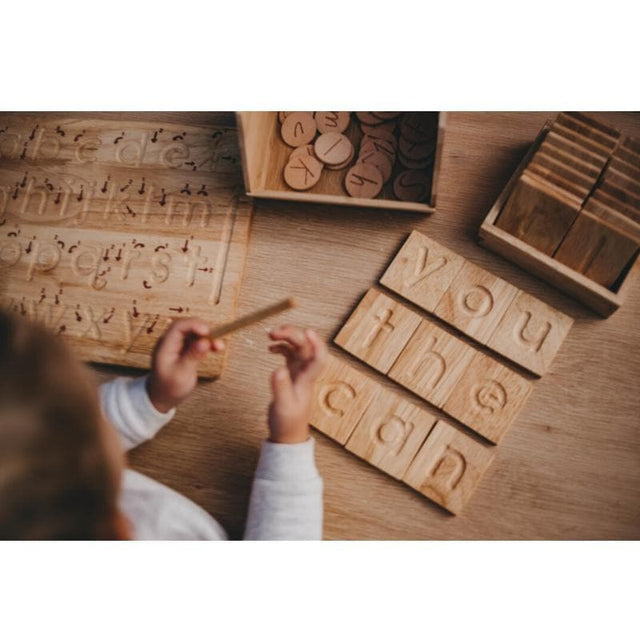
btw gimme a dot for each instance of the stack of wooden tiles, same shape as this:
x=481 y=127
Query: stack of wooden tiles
x=578 y=199
x=403 y=438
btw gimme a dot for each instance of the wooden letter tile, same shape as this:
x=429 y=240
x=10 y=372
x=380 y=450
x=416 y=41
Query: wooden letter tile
x=538 y=213
x=422 y=270
x=475 y=302
x=448 y=467
x=431 y=363
x=530 y=333
x=378 y=330
x=342 y=395
x=390 y=433
x=488 y=397
x=600 y=245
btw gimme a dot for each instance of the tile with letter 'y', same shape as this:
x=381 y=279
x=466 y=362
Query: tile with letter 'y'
x=488 y=397
x=475 y=302
x=390 y=433
x=448 y=467
x=531 y=333
x=422 y=271
x=378 y=330
x=342 y=395
x=431 y=363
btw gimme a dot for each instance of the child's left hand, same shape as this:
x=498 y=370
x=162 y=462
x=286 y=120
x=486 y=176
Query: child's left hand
x=174 y=369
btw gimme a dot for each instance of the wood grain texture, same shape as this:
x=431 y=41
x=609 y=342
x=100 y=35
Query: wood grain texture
x=109 y=230
x=431 y=363
x=530 y=333
x=488 y=397
x=448 y=467
x=390 y=433
x=568 y=469
x=342 y=395
x=422 y=271
x=475 y=302
x=378 y=330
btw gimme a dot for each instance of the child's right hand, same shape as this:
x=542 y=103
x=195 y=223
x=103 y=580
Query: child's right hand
x=174 y=368
x=290 y=410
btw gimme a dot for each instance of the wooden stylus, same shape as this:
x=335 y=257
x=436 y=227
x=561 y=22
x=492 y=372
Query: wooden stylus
x=251 y=318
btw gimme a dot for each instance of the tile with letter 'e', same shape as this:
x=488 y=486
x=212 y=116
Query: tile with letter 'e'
x=422 y=271
x=390 y=433
x=448 y=467
x=432 y=363
x=342 y=395
x=378 y=330
x=530 y=333
x=488 y=397
x=475 y=302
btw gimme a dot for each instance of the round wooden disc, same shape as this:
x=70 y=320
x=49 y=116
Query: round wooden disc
x=378 y=145
x=380 y=160
x=298 y=128
x=346 y=163
x=410 y=186
x=333 y=148
x=414 y=164
x=332 y=121
x=306 y=150
x=367 y=117
x=386 y=115
x=416 y=150
x=419 y=127
x=302 y=172
x=386 y=126
x=282 y=115
x=381 y=136
x=363 y=181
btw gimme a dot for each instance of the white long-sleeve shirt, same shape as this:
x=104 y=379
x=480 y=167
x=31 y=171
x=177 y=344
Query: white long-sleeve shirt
x=286 y=497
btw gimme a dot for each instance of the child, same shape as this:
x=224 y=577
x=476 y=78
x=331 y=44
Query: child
x=62 y=472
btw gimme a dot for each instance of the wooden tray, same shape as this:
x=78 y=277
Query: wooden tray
x=109 y=230
x=598 y=298
x=264 y=156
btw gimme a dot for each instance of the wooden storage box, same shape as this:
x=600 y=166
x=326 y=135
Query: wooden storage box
x=264 y=155
x=595 y=296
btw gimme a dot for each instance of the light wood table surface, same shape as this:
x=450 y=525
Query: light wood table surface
x=568 y=469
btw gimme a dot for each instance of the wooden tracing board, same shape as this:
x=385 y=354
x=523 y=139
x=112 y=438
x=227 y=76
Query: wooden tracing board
x=109 y=230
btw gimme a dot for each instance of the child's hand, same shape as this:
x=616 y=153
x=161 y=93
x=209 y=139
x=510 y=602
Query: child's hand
x=290 y=410
x=174 y=369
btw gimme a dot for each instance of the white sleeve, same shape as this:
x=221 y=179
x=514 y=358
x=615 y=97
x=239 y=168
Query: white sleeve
x=126 y=404
x=286 y=498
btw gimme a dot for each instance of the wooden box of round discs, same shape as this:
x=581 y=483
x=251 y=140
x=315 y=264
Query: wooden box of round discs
x=385 y=159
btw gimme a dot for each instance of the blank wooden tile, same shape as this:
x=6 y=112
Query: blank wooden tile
x=530 y=333
x=378 y=330
x=342 y=396
x=488 y=397
x=390 y=433
x=475 y=302
x=431 y=363
x=448 y=467
x=422 y=271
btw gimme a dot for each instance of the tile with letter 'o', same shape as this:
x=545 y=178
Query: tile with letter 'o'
x=431 y=363
x=422 y=271
x=342 y=395
x=378 y=330
x=530 y=333
x=475 y=302
x=448 y=467
x=488 y=397
x=390 y=433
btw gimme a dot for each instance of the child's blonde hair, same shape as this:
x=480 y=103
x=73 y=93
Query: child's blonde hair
x=56 y=480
